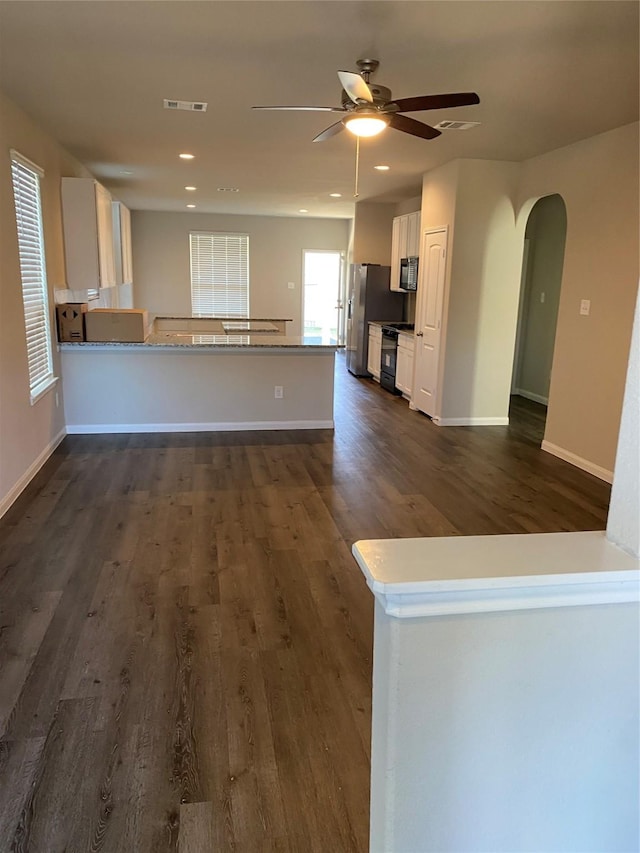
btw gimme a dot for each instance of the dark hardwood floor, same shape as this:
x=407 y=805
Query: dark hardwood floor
x=185 y=638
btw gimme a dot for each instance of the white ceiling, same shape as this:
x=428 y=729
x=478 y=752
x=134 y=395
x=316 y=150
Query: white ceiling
x=94 y=74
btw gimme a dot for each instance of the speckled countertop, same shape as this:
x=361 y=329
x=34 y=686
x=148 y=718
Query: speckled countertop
x=187 y=340
x=409 y=333
x=220 y=319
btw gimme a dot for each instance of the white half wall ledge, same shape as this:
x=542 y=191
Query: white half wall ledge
x=498 y=421
x=235 y=426
x=578 y=461
x=16 y=490
x=484 y=574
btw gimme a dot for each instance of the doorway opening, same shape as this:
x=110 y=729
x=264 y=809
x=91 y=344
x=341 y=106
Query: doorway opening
x=541 y=279
x=322 y=297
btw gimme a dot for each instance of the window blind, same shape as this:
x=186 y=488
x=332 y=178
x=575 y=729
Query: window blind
x=219 y=274
x=26 y=191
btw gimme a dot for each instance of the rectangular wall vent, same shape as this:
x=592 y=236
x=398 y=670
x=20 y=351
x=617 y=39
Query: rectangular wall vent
x=456 y=125
x=191 y=106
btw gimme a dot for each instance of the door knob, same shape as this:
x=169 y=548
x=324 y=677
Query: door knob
x=419 y=334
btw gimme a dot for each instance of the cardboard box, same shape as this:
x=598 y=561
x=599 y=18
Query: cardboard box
x=71 y=321
x=124 y=325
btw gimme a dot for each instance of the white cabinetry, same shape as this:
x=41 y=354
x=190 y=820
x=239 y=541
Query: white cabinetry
x=88 y=234
x=413 y=235
x=395 y=254
x=404 y=364
x=375 y=350
x=122 y=243
x=405 y=243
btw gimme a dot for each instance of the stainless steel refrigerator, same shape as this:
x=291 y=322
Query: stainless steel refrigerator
x=369 y=299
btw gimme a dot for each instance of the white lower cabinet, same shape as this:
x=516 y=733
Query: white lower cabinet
x=375 y=351
x=404 y=365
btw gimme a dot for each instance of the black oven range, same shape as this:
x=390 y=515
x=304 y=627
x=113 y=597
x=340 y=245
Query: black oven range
x=389 y=354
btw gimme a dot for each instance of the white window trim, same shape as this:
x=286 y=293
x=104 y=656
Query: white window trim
x=45 y=383
x=222 y=234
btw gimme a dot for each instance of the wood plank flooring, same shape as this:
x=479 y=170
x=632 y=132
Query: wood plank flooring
x=185 y=639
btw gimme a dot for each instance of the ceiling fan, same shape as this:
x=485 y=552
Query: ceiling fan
x=369 y=108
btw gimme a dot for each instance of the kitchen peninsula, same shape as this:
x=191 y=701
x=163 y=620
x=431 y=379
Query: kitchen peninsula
x=188 y=375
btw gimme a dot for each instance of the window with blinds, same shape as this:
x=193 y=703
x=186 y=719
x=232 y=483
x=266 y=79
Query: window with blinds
x=219 y=274
x=26 y=178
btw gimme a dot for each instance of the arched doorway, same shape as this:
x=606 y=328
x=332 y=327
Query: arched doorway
x=543 y=258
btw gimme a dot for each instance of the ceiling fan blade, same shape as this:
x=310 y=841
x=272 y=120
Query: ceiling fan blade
x=355 y=87
x=436 y=102
x=410 y=125
x=310 y=109
x=329 y=132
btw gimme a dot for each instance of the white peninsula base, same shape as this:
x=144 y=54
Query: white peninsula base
x=120 y=388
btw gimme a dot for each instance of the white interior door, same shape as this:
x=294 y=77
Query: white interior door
x=433 y=257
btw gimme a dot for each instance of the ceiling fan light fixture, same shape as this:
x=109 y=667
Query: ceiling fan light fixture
x=366 y=124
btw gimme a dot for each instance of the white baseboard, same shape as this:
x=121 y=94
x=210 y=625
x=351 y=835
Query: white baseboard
x=471 y=421
x=578 y=461
x=14 y=493
x=95 y=429
x=529 y=395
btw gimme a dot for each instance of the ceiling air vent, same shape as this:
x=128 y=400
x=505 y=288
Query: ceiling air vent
x=456 y=125
x=190 y=106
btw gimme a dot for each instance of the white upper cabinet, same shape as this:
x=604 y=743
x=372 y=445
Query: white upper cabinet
x=395 y=255
x=88 y=234
x=413 y=235
x=405 y=243
x=122 y=243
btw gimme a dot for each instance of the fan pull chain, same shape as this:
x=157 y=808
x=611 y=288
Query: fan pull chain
x=355 y=188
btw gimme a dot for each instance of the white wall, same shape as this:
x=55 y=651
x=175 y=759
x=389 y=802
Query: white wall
x=623 y=524
x=512 y=731
x=408 y=205
x=486 y=206
x=483 y=294
x=372 y=225
x=161 y=258
x=27 y=433
x=598 y=181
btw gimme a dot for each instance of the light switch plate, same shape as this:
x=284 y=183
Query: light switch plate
x=585 y=307
x=291 y=285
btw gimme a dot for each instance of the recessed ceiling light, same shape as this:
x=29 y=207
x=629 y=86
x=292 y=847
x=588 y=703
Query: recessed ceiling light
x=191 y=205
x=186 y=156
x=191 y=189
x=335 y=195
x=303 y=210
x=382 y=168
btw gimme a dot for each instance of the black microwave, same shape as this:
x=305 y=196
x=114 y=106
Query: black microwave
x=409 y=273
